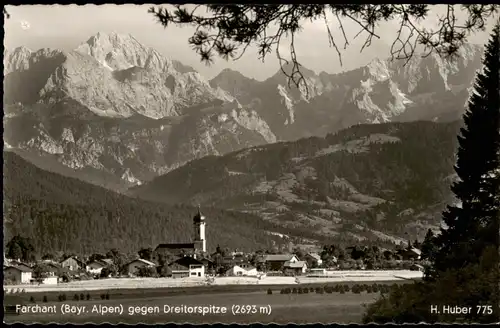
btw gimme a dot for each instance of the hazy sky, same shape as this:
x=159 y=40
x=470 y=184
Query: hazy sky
x=65 y=27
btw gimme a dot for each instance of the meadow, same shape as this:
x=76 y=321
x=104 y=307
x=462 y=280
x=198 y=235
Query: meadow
x=254 y=303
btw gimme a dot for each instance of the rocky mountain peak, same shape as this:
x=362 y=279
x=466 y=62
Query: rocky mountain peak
x=288 y=68
x=122 y=51
x=16 y=59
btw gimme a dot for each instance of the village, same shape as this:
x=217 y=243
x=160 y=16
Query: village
x=191 y=260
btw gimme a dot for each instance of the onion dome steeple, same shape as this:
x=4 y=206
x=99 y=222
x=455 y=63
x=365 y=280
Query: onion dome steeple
x=198 y=217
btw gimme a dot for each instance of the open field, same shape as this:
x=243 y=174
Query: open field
x=261 y=308
x=133 y=283
x=278 y=308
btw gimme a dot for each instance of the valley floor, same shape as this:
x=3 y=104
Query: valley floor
x=137 y=283
x=258 y=307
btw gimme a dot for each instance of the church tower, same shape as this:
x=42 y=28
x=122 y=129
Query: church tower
x=200 y=242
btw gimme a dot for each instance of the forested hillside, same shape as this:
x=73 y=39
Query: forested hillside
x=366 y=180
x=65 y=214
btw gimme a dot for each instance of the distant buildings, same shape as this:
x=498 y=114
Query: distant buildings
x=295 y=268
x=242 y=270
x=186 y=267
x=313 y=260
x=134 y=266
x=17 y=274
x=276 y=262
x=199 y=244
x=410 y=254
x=72 y=263
x=96 y=266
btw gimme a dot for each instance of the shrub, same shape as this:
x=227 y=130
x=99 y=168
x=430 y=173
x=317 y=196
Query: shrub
x=375 y=288
x=76 y=297
x=311 y=289
x=45 y=299
x=88 y=297
x=59 y=298
x=346 y=288
x=288 y=290
x=306 y=290
x=82 y=297
x=328 y=289
x=342 y=291
x=282 y=291
x=294 y=290
x=106 y=296
x=369 y=289
x=32 y=299
x=321 y=290
x=355 y=289
x=300 y=290
x=269 y=291
x=64 y=297
x=103 y=296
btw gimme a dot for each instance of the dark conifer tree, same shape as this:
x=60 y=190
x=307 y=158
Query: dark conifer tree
x=473 y=225
x=428 y=245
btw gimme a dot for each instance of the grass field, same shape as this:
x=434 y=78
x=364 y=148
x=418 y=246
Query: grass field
x=151 y=283
x=277 y=308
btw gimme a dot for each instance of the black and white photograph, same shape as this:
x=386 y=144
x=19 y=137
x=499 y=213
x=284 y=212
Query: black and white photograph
x=251 y=163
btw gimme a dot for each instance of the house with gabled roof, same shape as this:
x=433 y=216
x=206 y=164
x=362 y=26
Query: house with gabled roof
x=96 y=266
x=295 y=268
x=17 y=274
x=313 y=259
x=186 y=267
x=72 y=263
x=134 y=266
x=276 y=262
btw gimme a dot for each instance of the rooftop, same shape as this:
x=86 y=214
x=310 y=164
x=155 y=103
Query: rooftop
x=176 y=246
x=278 y=257
x=19 y=268
x=298 y=264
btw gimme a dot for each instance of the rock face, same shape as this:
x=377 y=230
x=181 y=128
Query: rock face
x=123 y=111
x=430 y=88
x=116 y=106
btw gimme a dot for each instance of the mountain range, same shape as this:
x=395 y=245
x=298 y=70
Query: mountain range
x=362 y=155
x=116 y=113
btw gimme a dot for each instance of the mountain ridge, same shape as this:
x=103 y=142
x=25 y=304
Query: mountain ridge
x=111 y=101
x=132 y=114
x=366 y=181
